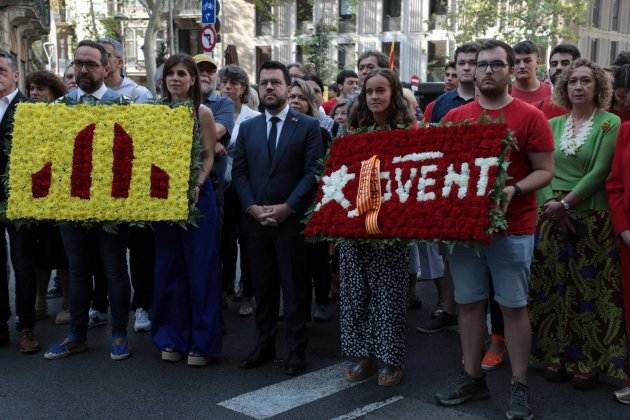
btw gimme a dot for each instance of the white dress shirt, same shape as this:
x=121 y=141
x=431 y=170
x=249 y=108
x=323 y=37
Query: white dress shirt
x=282 y=115
x=5 y=102
x=98 y=94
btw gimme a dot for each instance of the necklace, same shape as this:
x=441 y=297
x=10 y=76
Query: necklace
x=574 y=137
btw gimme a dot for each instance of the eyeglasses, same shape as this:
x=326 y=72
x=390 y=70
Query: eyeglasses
x=496 y=65
x=89 y=65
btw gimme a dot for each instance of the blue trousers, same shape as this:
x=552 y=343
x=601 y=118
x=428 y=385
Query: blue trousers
x=186 y=313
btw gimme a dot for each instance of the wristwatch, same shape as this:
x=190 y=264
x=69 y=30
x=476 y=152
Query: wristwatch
x=517 y=190
x=566 y=205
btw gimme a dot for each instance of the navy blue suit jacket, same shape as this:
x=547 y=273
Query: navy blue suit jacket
x=291 y=176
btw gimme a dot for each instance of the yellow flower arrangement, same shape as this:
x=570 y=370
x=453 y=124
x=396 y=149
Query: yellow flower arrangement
x=45 y=152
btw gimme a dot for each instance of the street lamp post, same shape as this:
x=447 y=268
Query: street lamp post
x=122 y=18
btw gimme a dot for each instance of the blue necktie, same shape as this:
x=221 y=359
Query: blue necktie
x=273 y=134
x=88 y=99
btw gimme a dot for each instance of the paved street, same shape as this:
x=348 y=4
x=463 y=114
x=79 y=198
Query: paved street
x=91 y=386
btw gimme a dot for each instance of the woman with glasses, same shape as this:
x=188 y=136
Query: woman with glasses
x=186 y=312
x=575 y=296
x=234 y=83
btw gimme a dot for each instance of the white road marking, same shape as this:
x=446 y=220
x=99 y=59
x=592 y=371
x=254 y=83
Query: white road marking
x=360 y=412
x=287 y=395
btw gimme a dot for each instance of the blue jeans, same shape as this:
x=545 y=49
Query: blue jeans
x=505 y=261
x=112 y=249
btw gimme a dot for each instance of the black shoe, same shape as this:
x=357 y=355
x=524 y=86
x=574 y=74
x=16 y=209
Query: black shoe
x=442 y=321
x=258 y=358
x=295 y=365
x=466 y=388
x=519 y=402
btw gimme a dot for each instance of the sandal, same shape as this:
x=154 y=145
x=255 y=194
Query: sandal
x=555 y=372
x=493 y=360
x=584 y=381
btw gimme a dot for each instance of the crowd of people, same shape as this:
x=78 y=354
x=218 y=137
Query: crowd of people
x=550 y=291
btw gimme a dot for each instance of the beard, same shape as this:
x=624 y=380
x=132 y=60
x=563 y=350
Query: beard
x=87 y=84
x=493 y=90
x=554 y=77
x=274 y=103
x=206 y=86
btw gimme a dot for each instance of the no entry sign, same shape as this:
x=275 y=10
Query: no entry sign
x=208 y=38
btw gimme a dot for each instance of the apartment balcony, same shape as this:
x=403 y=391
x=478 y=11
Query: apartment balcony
x=188 y=9
x=33 y=15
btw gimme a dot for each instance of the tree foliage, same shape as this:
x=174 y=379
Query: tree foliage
x=155 y=9
x=541 y=21
x=315 y=51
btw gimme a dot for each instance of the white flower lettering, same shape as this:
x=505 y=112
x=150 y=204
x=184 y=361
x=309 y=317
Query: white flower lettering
x=425 y=182
x=461 y=179
x=404 y=189
x=484 y=165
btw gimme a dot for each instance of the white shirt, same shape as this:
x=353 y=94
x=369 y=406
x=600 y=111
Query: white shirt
x=98 y=94
x=5 y=102
x=282 y=115
x=245 y=114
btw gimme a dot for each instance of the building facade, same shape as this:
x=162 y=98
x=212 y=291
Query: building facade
x=126 y=20
x=415 y=28
x=607 y=32
x=22 y=23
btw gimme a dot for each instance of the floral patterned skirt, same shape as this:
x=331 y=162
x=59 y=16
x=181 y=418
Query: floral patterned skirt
x=576 y=302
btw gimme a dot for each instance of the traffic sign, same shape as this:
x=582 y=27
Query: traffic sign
x=415 y=81
x=208 y=38
x=208 y=12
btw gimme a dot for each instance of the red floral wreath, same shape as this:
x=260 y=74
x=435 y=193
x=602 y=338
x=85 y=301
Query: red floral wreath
x=446 y=218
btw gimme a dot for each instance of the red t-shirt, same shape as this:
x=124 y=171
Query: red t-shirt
x=623 y=115
x=329 y=105
x=550 y=109
x=533 y=134
x=535 y=96
x=428 y=111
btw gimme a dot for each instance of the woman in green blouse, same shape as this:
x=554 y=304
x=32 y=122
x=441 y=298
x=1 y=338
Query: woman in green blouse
x=575 y=298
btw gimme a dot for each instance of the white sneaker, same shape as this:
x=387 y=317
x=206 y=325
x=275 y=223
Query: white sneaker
x=63 y=317
x=97 y=318
x=142 y=323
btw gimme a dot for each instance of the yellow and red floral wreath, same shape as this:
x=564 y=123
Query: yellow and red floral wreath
x=100 y=163
x=437 y=183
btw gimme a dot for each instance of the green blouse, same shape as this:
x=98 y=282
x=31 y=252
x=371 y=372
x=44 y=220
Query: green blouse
x=585 y=172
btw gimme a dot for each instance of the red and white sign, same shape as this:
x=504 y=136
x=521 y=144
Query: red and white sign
x=415 y=81
x=436 y=183
x=208 y=38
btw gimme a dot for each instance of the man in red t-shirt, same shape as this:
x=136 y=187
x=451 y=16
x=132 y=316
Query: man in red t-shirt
x=526 y=86
x=506 y=260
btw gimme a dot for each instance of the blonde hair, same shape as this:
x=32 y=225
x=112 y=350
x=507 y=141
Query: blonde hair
x=603 y=85
x=313 y=111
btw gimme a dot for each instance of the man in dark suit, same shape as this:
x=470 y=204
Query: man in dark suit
x=91 y=67
x=275 y=165
x=10 y=96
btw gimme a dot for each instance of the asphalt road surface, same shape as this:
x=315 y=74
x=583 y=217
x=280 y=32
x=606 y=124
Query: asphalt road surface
x=91 y=386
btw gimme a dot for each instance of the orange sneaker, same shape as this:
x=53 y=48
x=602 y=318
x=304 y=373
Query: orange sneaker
x=493 y=360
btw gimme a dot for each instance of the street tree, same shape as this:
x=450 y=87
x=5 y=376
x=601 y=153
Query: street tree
x=541 y=21
x=155 y=10
x=315 y=51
